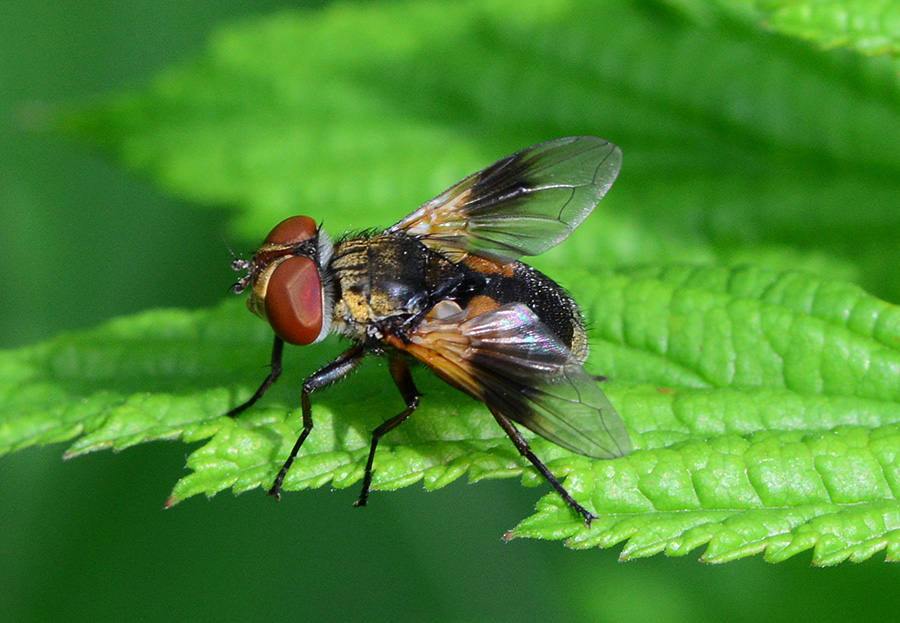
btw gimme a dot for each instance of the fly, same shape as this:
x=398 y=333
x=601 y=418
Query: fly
x=445 y=287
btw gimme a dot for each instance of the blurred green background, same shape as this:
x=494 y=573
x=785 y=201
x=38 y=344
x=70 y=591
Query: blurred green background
x=82 y=241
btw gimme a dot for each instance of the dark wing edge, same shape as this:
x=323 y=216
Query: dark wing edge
x=508 y=359
x=523 y=204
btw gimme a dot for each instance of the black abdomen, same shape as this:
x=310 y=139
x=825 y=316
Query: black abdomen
x=546 y=299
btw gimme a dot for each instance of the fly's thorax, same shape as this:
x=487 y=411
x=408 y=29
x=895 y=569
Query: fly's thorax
x=384 y=278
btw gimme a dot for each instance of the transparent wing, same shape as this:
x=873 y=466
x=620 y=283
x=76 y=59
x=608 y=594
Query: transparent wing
x=511 y=361
x=521 y=205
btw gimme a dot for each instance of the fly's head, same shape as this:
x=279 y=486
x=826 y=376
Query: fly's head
x=287 y=281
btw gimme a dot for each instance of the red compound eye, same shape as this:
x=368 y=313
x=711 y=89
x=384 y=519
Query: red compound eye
x=293 y=230
x=294 y=300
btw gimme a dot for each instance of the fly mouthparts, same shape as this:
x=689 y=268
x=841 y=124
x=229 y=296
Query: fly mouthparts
x=240 y=264
x=240 y=285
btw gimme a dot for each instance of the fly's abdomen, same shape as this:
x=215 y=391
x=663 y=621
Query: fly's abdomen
x=547 y=299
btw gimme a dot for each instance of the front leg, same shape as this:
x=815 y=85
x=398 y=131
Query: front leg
x=333 y=372
x=274 y=372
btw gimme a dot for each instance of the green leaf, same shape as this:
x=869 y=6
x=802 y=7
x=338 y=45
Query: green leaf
x=774 y=427
x=762 y=401
x=866 y=26
x=732 y=139
x=772 y=424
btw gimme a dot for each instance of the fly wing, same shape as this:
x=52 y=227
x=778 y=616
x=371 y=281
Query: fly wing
x=511 y=361
x=521 y=205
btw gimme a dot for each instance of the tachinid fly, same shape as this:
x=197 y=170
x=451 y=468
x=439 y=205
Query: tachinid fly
x=445 y=286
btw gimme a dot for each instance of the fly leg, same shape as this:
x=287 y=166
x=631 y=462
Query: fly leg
x=525 y=450
x=404 y=381
x=274 y=372
x=333 y=372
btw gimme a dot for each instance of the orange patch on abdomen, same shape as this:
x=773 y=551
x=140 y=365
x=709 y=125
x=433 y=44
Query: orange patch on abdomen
x=480 y=304
x=487 y=267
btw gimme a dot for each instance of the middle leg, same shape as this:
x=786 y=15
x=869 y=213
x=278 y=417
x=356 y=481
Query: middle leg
x=403 y=378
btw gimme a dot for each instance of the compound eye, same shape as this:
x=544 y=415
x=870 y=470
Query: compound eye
x=294 y=301
x=293 y=230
